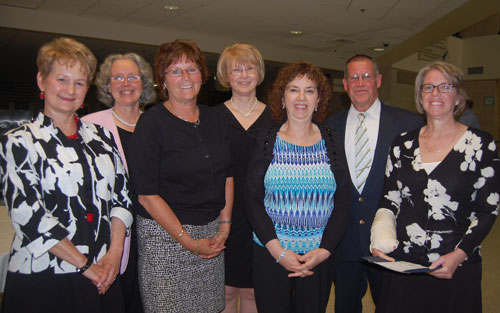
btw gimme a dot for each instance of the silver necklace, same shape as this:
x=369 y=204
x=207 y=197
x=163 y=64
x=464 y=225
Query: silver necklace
x=179 y=116
x=247 y=114
x=122 y=121
x=426 y=144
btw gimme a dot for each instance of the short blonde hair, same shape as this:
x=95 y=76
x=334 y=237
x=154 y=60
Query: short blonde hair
x=453 y=75
x=239 y=53
x=67 y=52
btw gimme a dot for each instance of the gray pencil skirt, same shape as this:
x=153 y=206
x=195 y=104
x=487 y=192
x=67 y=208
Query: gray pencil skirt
x=171 y=279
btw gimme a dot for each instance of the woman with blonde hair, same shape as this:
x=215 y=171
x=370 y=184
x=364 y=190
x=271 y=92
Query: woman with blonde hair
x=441 y=199
x=241 y=68
x=66 y=191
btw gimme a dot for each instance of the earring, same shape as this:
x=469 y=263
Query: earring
x=283 y=106
x=82 y=106
x=42 y=95
x=316 y=109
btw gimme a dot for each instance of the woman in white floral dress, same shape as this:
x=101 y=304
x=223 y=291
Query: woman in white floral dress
x=66 y=191
x=441 y=200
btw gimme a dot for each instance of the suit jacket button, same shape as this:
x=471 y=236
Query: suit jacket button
x=361 y=222
x=361 y=199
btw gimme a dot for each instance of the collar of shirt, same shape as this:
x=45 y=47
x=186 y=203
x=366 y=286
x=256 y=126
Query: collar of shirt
x=372 y=122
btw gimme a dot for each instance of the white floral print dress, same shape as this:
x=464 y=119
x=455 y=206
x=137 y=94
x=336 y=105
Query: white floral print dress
x=454 y=206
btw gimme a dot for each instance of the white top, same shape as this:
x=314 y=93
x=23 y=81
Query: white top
x=430 y=166
x=372 y=121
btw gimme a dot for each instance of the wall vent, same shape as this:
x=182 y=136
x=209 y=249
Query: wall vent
x=475 y=70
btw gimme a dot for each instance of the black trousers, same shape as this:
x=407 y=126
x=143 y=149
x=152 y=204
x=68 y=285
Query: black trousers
x=276 y=293
x=351 y=282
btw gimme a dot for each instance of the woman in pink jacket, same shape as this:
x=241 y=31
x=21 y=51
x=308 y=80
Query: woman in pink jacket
x=124 y=82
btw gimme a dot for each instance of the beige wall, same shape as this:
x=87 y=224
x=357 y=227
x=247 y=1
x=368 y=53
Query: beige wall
x=471 y=52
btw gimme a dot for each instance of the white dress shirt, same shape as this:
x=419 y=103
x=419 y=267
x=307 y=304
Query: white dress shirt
x=372 y=121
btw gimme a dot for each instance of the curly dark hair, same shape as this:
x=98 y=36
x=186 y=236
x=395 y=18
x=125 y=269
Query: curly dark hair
x=171 y=52
x=288 y=74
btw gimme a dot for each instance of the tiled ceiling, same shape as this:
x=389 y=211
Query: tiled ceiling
x=332 y=30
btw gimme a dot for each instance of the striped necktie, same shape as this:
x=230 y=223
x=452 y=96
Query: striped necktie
x=362 y=151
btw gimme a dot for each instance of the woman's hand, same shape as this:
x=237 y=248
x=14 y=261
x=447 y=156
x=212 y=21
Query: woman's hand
x=290 y=261
x=110 y=264
x=289 y=258
x=380 y=254
x=450 y=262
x=219 y=240
x=309 y=261
x=207 y=248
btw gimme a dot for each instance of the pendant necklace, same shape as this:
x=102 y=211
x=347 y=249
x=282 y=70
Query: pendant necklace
x=179 y=116
x=122 y=121
x=243 y=113
x=426 y=144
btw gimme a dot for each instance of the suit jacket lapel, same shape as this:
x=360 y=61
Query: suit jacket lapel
x=384 y=139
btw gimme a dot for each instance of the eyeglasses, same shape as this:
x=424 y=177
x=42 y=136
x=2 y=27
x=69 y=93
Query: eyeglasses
x=365 y=77
x=176 y=72
x=130 y=78
x=239 y=70
x=442 y=88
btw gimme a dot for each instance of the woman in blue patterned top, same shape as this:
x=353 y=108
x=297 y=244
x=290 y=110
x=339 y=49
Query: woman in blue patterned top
x=298 y=196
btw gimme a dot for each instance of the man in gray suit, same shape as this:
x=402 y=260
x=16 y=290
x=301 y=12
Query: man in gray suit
x=373 y=125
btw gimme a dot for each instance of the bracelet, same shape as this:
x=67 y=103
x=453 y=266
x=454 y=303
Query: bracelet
x=281 y=256
x=225 y=222
x=82 y=269
x=197 y=250
x=223 y=232
x=181 y=234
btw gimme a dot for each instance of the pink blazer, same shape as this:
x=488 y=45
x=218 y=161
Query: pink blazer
x=105 y=119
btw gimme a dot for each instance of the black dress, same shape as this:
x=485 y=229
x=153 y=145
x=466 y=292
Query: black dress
x=238 y=253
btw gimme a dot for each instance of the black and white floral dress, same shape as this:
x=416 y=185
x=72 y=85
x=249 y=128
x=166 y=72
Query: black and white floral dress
x=57 y=188
x=454 y=206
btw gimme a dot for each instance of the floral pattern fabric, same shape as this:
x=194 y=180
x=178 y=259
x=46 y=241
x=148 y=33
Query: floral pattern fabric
x=454 y=206
x=56 y=187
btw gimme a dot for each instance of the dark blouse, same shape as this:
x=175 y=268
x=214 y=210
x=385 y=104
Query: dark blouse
x=125 y=137
x=186 y=164
x=454 y=206
x=241 y=142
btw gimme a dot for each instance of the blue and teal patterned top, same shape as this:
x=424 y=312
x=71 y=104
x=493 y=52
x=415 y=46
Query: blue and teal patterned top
x=299 y=189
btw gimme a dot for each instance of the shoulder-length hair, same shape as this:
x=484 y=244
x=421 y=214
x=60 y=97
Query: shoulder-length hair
x=288 y=74
x=453 y=75
x=103 y=78
x=239 y=53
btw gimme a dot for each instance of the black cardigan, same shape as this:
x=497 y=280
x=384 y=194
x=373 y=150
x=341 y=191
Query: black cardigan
x=259 y=162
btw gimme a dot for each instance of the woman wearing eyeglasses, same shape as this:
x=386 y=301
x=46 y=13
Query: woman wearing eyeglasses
x=124 y=82
x=179 y=162
x=241 y=68
x=442 y=190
